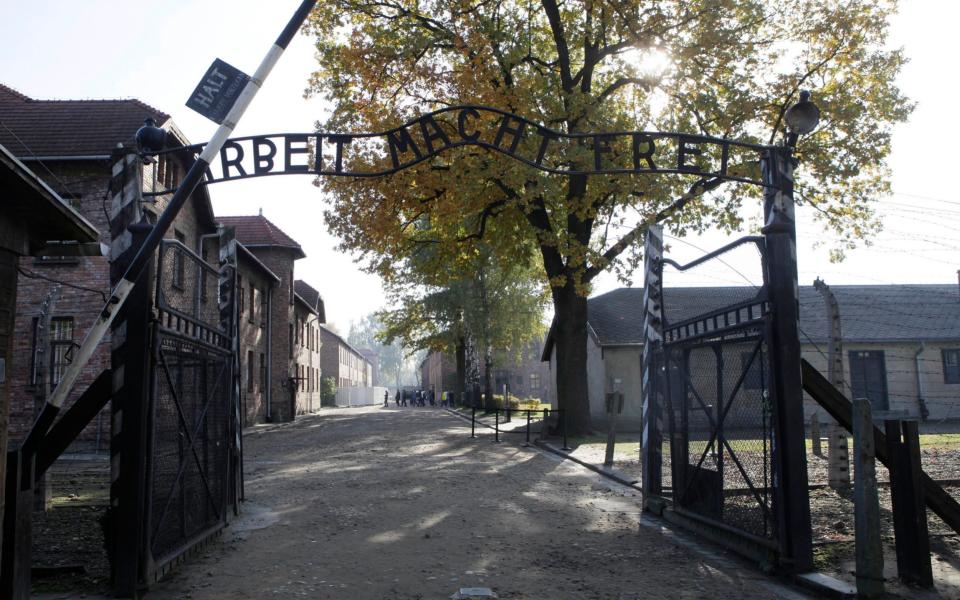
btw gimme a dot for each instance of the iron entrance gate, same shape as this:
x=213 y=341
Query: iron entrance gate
x=720 y=417
x=711 y=372
x=191 y=461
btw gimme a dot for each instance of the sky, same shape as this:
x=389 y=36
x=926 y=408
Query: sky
x=157 y=52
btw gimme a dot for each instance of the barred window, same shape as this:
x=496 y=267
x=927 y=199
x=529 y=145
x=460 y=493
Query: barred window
x=534 y=381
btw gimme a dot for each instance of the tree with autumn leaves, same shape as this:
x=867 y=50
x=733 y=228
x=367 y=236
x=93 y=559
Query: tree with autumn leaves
x=723 y=68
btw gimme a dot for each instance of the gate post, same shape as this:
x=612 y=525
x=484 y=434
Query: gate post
x=229 y=322
x=652 y=449
x=130 y=344
x=790 y=461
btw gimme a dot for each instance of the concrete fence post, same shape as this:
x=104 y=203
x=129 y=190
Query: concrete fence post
x=815 y=435
x=869 y=547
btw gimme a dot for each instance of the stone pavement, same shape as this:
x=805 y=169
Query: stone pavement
x=402 y=504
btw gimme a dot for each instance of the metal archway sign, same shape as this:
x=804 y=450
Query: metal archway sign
x=430 y=135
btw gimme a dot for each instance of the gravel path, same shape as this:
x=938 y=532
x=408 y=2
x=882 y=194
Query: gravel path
x=402 y=504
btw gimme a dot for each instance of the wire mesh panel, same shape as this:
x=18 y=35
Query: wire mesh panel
x=188 y=478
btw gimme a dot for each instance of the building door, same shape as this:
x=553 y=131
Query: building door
x=868 y=377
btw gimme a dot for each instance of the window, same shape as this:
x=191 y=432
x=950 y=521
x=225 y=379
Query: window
x=868 y=377
x=253 y=302
x=61 y=340
x=179 y=263
x=249 y=370
x=534 y=381
x=263 y=371
x=756 y=377
x=951 y=366
x=168 y=173
x=34 y=337
x=291 y=340
x=263 y=309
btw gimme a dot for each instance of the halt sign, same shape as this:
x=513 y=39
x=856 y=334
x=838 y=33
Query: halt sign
x=217 y=91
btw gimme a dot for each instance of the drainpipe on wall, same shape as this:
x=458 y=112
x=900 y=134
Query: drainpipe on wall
x=269 y=397
x=921 y=401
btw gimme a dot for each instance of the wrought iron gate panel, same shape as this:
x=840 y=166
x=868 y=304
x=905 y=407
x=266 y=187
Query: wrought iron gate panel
x=191 y=409
x=719 y=412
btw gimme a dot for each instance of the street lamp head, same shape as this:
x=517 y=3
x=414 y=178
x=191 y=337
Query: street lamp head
x=150 y=138
x=803 y=117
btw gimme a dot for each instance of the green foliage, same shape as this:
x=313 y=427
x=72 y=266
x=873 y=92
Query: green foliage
x=367 y=333
x=731 y=69
x=328 y=390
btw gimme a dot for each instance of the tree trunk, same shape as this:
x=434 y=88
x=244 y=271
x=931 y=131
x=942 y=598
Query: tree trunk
x=570 y=345
x=488 y=380
x=460 y=386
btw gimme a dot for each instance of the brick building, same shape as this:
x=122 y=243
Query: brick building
x=277 y=252
x=438 y=372
x=75 y=142
x=31 y=213
x=306 y=350
x=344 y=363
x=374 y=359
x=523 y=373
x=256 y=285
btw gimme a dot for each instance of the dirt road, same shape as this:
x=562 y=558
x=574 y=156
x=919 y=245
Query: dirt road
x=375 y=503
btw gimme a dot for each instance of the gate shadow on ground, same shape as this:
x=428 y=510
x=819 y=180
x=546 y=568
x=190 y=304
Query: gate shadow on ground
x=381 y=503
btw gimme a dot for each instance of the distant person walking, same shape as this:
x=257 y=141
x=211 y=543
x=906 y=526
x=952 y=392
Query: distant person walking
x=386 y=398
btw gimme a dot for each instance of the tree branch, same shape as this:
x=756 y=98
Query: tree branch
x=697 y=189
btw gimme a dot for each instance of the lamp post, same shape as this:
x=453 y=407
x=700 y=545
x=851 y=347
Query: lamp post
x=783 y=341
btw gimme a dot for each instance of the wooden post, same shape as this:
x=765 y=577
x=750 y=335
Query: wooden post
x=869 y=547
x=909 y=508
x=815 y=434
x=17 y=525
x=614 y=407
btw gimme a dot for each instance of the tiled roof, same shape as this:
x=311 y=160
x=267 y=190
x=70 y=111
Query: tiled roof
x=256 y=231
x=252 y=258
x=311 y=297
x=45 y=214
x=69 y=128
x=868 y=313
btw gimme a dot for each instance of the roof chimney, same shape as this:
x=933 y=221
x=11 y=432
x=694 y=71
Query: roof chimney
x=261 y=214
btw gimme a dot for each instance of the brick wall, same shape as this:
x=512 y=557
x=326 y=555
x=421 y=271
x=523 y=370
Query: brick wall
x=253 y=340
x=307 y=354
x=85 y=184
x=280 y=261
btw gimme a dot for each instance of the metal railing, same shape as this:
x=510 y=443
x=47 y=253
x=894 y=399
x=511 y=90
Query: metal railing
x=541 y=416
